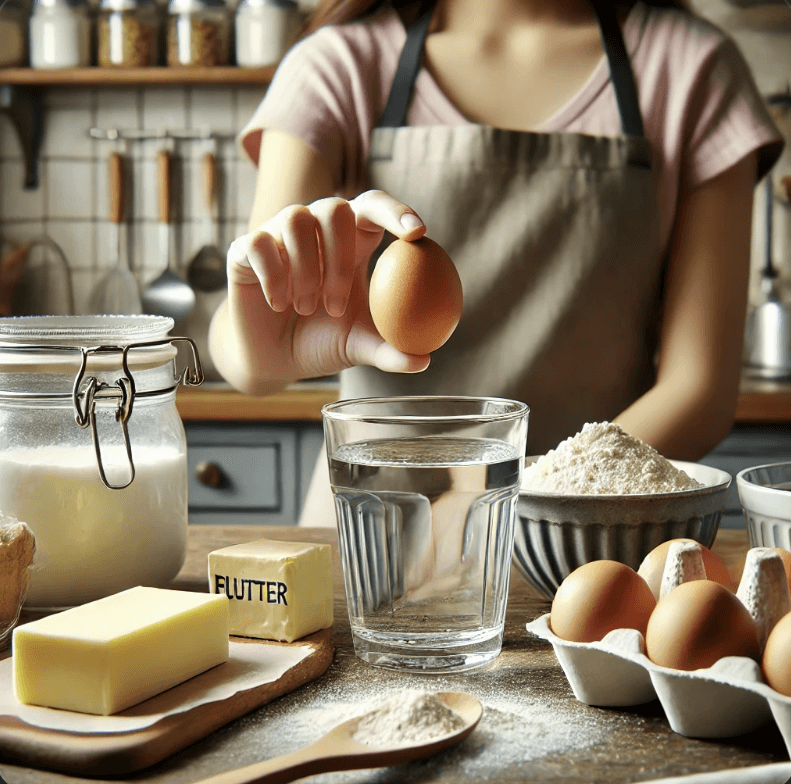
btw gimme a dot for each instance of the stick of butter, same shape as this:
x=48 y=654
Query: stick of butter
x=277 y=590
x=112 y=653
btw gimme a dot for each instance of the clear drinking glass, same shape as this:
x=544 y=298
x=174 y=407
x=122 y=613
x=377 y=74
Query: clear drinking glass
x=425 y=495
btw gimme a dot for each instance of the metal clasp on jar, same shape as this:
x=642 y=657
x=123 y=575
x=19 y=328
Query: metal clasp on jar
x=86 y=391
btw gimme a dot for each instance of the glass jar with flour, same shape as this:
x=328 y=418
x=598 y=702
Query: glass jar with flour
x=94 y=452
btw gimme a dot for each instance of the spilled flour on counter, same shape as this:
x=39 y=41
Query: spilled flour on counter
x=407 y=719
x=529 y=715
x=603 y=459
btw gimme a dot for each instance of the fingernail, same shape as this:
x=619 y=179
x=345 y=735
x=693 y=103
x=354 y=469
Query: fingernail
x=277 y=304
x=390 y=359
x=336 y=306
x=411 y=221
x=305 y=306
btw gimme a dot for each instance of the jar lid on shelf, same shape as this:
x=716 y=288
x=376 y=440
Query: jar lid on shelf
x=69 y=5
x=126 y=5
x=190 y=6
x=286 y=5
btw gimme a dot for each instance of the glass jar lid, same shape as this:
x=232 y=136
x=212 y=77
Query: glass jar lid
x=54 y=344
x=127 y=5
x=193 y=6
x=286 y=5
x=61 y=5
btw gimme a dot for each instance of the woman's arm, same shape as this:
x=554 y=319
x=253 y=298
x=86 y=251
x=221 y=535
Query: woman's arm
x=691 y=407
x=297 y=297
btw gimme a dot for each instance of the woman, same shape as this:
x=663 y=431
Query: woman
x=588 y=167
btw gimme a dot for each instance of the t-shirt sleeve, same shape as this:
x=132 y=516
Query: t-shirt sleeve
x=317 y=95
x=727 y=119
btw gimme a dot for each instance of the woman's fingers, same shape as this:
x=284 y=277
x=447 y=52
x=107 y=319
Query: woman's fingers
x=337 y=241
x=307 y=256
x=377 y=211
x=298 y=230
x=364 y=347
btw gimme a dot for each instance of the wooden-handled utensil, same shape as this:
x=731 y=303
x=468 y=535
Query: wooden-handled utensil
x=117 y=292
x=168 y=295
x=206 y=271
x=338 y=750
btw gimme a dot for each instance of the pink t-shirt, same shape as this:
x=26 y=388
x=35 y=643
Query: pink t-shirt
x=701 y=108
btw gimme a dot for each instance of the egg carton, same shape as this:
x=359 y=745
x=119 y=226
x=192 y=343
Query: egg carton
x=725 y=700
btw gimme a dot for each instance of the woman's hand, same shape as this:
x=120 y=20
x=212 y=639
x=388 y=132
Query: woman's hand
x=298 y=295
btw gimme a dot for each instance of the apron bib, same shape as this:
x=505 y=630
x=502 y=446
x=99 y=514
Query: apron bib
x=556 y=239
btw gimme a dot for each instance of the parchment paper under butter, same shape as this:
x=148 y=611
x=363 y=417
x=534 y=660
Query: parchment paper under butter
x=249 y=665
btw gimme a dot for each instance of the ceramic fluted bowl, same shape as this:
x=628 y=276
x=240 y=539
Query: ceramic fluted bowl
x=557 y=533
x=765 y=496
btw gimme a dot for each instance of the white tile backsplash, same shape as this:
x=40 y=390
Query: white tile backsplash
x=17 y=203
x=66 y=133
x=9 y=140
x=213 y=108
x=70 y=189
x=77 y=240
x=164 y=108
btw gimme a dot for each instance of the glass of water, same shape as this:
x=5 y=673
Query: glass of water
x=425 y=495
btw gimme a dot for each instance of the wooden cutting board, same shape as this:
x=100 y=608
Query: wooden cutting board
x=127 y=752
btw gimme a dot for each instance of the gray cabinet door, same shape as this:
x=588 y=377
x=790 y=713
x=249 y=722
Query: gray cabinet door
x=249 y=472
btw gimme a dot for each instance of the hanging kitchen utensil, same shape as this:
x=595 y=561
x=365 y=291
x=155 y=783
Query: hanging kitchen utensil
x=768 y=332
x=206 y=271
x=44 y=287
x=11 y=267
x=168 y=295
x=117 y=292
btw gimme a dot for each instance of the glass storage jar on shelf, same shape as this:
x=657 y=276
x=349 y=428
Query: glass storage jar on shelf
x=128 y=33
x=13 y=34
x=199 y=33
x=94 y=451
x=265 y=29
x=60 y=34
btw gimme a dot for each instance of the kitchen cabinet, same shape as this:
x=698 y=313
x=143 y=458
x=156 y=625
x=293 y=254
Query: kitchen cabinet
x=250 y=472
x=286 y=429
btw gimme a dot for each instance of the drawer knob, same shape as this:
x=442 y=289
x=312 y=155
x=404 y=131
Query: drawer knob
x=209 y=474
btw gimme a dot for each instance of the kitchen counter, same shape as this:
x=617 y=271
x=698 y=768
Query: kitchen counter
x=759 y=402
x=533 y=728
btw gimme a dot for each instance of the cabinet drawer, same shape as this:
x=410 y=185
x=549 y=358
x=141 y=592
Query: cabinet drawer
x=248 y=477
x=242 y=474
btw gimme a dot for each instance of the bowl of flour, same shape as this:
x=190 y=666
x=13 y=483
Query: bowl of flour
x=603 y=494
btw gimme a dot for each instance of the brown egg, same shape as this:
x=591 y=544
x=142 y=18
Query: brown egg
x=654 y=564
x=697 y=624
x=777 y=656
x=598 y=597
x=415 y=296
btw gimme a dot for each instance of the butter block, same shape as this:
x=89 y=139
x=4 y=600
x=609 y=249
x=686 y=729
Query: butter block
x=112 y=653
x=276 y=590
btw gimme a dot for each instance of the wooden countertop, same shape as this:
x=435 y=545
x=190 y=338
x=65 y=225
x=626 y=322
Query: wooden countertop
x=564 y=740
x=759 y=401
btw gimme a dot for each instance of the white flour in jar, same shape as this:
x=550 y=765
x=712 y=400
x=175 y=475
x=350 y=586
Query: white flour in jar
x=94 y=541
x=408 y=719
x=603 y=459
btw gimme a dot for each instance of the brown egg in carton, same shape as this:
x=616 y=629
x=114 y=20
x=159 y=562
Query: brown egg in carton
x=727 y=699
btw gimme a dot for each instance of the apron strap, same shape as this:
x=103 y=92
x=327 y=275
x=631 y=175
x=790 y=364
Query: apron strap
x=394 y=114
x=621 y=73
x=395 y=111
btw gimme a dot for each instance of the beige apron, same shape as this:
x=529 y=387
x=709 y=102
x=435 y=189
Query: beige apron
x=556 y=240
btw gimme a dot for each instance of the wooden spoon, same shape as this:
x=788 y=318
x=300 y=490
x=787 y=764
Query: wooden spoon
x=338 y=750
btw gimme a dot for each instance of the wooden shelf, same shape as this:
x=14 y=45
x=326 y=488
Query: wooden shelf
x=97 y=77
